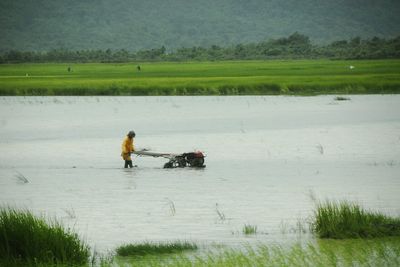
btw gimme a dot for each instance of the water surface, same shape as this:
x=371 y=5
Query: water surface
x=266 y=157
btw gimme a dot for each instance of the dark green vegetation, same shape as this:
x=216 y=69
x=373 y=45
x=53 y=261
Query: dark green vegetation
x=300 y=77
x=149 y=248
x=296 y=46
x=29 y=240
x=348 y=220
x=136 y=24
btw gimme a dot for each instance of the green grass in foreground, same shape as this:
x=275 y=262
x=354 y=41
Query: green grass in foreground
x=295 y=77
x=149 y=248
x=348 y=220
x=343 y=220
x=29 y=240
x=26 y=240
x=354 y=252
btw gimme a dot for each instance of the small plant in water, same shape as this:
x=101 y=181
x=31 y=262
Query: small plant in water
x=171 y=206
x=342 y=98
x=21 y=178
x=249 y=229
x=221 y=215
x=70 y=213
x=149 y=248
x=320 y=149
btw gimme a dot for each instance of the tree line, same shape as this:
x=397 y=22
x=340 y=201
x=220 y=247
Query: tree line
x=295 y=46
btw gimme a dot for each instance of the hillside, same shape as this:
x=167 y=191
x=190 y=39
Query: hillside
x=131 y=24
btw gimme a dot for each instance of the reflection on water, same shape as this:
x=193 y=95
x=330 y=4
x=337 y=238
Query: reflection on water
x=266 y=157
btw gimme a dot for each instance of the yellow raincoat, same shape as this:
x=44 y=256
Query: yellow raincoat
x=127 y=147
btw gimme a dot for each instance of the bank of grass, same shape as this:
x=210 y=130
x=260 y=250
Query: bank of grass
x=150 y=248
x=339 y=220
x=354 y=252
x=26 y=240
x=29 y=240
x=295 y=77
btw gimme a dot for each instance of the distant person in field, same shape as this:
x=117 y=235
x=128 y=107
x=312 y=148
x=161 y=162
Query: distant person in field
x=128 y=148
x=69 y=69
x=138 y=68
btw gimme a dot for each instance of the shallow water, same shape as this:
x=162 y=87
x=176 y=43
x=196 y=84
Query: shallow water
x=267 y=157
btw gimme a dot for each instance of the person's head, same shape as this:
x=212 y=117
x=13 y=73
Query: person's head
x=131 y=134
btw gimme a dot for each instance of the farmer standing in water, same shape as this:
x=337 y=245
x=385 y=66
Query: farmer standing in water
x=128 y=148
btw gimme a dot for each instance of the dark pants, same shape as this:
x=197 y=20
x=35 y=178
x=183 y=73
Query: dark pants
x=128 y=163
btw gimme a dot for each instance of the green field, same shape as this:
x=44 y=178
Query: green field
x=297 y=77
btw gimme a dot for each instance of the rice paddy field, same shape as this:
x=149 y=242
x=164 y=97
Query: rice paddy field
x=269 y=160
x=299 y=77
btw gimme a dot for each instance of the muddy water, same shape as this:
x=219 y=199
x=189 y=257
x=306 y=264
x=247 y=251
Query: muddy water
x=267 y=157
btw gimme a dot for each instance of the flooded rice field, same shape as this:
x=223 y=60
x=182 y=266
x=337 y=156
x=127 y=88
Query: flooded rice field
x=268 y=157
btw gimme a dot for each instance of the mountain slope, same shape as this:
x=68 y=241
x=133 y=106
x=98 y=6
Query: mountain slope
x=133 y=24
